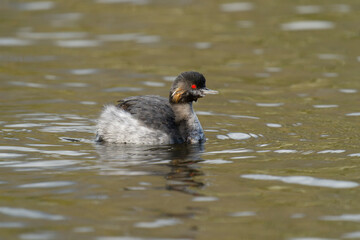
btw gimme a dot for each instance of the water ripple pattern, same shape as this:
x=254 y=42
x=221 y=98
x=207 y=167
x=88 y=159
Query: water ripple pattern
x=26 y=213
x=281 y=158
x=303 y=180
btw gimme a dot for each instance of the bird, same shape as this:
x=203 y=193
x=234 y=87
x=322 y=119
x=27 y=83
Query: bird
x=155 y=120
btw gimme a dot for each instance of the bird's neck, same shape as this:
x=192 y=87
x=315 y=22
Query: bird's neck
x=188 y=123
x=183 y=111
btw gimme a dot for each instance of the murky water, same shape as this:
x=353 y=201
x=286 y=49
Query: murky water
x=282 y=157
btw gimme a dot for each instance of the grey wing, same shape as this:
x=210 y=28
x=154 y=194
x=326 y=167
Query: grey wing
x=154 y=111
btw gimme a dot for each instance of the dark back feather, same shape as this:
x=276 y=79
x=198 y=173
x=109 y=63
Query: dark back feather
x=154 y=111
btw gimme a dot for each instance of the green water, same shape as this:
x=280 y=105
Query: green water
x=282 y=156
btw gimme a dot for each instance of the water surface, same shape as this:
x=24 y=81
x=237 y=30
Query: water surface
x=282 y=156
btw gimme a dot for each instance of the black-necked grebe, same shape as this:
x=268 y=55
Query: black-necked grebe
x=156 y=120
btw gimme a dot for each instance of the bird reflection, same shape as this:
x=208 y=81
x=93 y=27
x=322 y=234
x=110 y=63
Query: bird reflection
x=182 y=159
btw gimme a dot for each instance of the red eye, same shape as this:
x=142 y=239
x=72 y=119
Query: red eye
x=193 y=86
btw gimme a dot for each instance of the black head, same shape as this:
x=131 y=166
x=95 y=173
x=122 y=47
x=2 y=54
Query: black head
x=188 y=87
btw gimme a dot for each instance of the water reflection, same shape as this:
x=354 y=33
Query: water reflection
x=51 y=35
x=303 y=180
x=10 y=41
x=158 y=223
x=237 y=7
x=343 y=217
x=308 y=9
x=287 y=110
x=26 y=213
x=352 y=235
x=36 y=6
x=135 y=2
x=180 y=161
x=307 y=25
x=77 y=43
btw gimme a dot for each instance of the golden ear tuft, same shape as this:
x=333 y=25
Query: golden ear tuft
x=176 y=96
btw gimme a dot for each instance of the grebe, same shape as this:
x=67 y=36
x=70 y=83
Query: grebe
x=156 y=120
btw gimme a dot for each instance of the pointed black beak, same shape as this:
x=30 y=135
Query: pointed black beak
x=205 y=91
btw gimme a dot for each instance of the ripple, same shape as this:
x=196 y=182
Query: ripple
x=245 y=24
x=354 y=114
x=329 y=56
x=139 y=238
x=237 y=7
x=216 y=161
x=86 y=71
x=24 y=125
x=172 y=78
x=123 y=89
x=304 y=180
x=351 y=235
x=354 y=155
x=311 y=238
x=158 y=223
x=77 y=43
x=243 y=116
x=11 y=155
x=88 y=103
x=83 y=229
x=285 y=151
x=222 y=137
x=326 y=106
x=119 y=37
x=203 y=45
x=38 y=236
x=62 y=129
x=205 y=113
x=136 y=37
x=148 y=39
x=342 y=8
x=124 y=172
x=11 y=225
x=242 y=214
x=65 y=153
x=42 y=164
x=39 y=117
x=9 y=42
x=344 y=217
x=47 y=184
x=308 y=9
x=274 y=125
x=243 y=157
x=52 y=35
x=25 y=213
x=239 y=136
x=330 y=74
x=269 y=104
x=205 y=199
x=72 y=16
x=307 y=25
x=153 y=84
x=348 y=90
x=27 y=149
x=262 y=75
x=238 y=150
x=298 y=215
x=273 y=69
x=36 y=6
x=17 y=148
x=332 y=151
x=28 y=84
x=135 y=2
x=76 y=84
x=22 y=59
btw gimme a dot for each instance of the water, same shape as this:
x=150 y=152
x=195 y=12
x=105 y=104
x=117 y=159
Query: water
x=282 y=156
